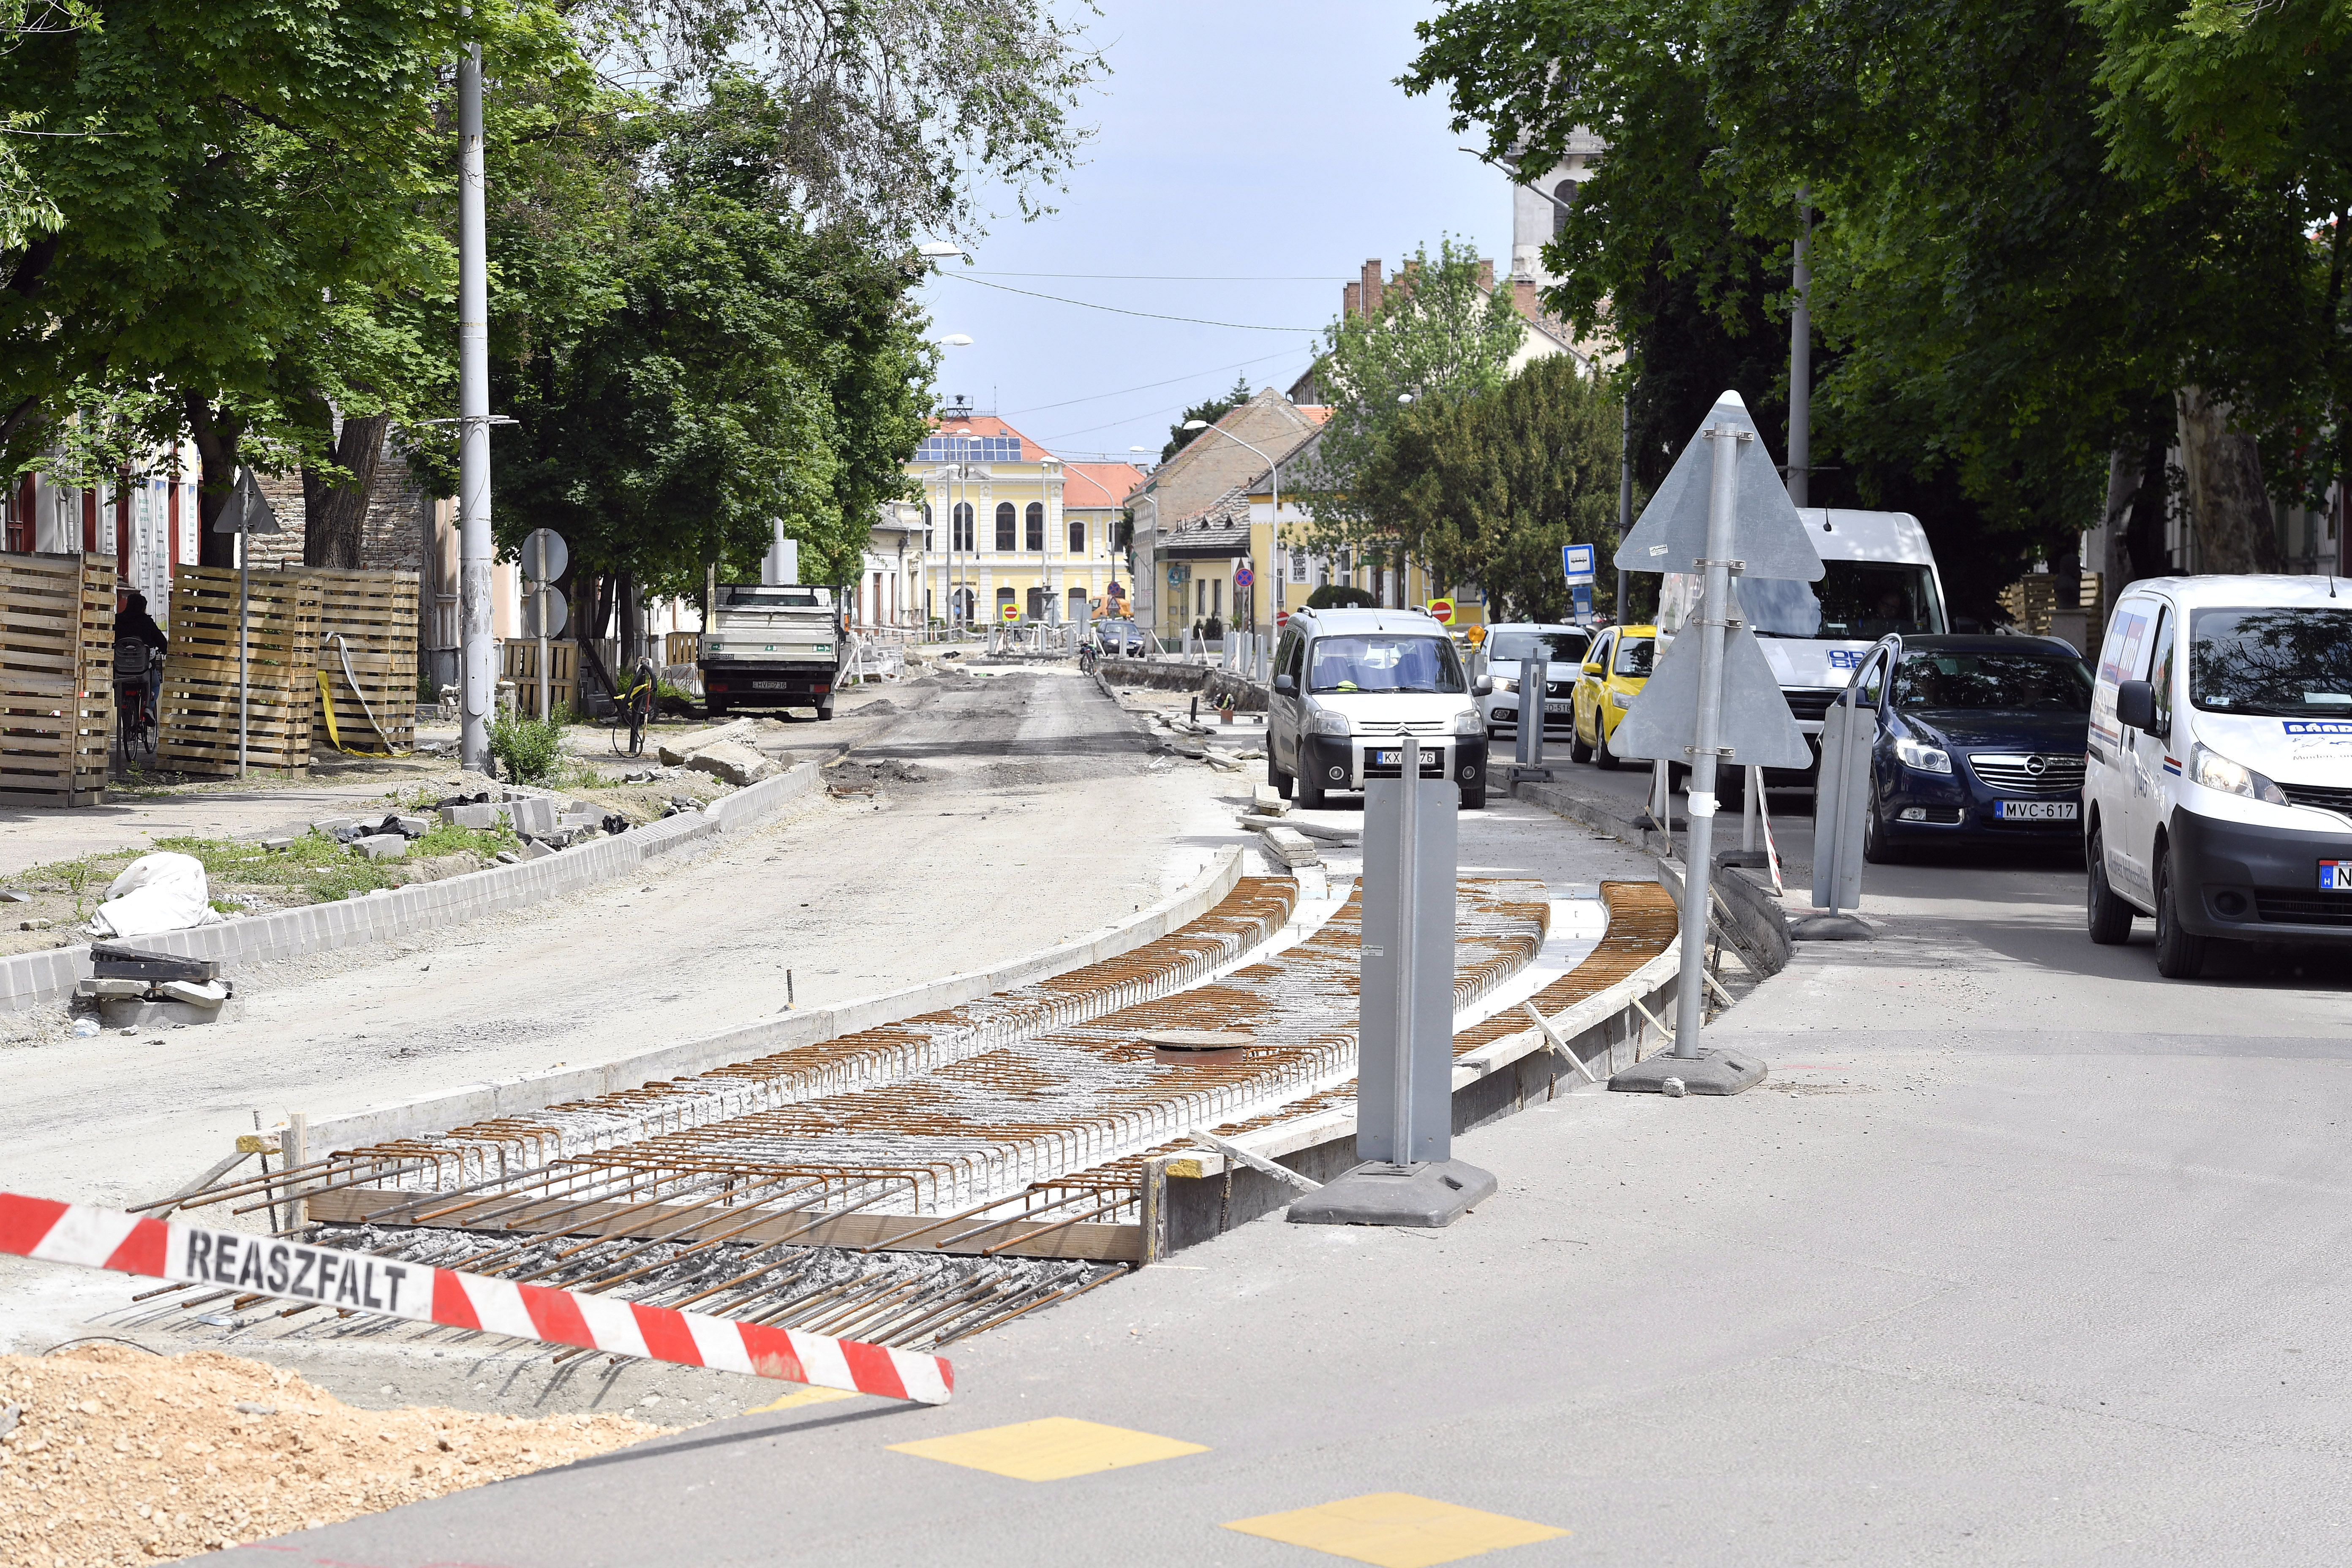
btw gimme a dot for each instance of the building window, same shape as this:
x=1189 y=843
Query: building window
x=1200 y=597
x=1005 y=525
x=1079 y=537
x=1004 y=595
x=1216 y=595
x=926 y=525
x=963 y=526
x=1036 y=527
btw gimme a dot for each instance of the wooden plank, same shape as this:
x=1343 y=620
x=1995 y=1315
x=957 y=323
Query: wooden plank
x=1106 y=1243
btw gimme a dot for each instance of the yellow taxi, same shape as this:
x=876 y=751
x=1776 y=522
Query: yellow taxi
x=1618 y=667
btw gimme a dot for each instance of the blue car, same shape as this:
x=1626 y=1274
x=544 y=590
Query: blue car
x=1979 y=742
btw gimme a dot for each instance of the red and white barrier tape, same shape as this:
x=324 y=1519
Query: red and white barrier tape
x=268 y=1266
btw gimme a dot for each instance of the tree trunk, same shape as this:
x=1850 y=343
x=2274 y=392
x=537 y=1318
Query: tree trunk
x=217 y=433
x=334 y=516
x=2236 y=530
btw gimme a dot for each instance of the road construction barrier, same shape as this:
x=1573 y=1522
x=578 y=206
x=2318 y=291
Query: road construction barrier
x=291 y=1271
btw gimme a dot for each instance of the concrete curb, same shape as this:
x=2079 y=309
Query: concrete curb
x=469 y=1103
x=1597 y=813
x=1759 y=928
x=29 y=979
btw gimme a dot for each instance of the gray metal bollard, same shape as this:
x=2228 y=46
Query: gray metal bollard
x=1404 y=1059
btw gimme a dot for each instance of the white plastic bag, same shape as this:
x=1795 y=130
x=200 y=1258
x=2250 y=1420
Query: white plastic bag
x=155 y=893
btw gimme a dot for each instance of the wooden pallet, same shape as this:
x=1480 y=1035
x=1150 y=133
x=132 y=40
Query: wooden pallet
x=518 y=662
x=57 y=678
x=199 y=706
x=367 y=619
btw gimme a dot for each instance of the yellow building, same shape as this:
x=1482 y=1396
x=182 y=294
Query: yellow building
x=1013 y=534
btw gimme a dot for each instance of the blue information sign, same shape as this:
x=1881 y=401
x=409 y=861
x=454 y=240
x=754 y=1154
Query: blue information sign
x=1576 y=560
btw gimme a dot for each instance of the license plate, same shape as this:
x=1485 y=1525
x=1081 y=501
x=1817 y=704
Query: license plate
x=771 y=685
x=1430 y=759
x=2336 y=875
x=2037 y=810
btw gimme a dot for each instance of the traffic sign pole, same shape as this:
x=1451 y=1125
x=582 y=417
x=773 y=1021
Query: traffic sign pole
x=1713 y=622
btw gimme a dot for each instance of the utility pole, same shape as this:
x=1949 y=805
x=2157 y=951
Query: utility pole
x=1624 y=493
x=1800 y=363
x=477 y=679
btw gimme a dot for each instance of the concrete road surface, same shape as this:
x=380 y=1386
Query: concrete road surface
x=2022 y=1256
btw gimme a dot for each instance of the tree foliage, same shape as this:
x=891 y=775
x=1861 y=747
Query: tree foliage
x=1435 y=336
x=1486 y=489
x=2036 y=221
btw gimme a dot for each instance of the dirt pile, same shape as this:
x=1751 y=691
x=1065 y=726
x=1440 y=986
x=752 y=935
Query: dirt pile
x=117 y=1456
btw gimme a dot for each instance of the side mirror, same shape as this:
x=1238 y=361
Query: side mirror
x=2135 y=705
x=1592 y=669
x=1485 y=686
x=1284 y=684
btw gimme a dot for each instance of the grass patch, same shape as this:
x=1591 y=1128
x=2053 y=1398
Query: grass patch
x=314 y=870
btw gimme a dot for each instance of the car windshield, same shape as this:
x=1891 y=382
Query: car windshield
x=758 y=596
x=1379 y=661
x=2015 y=682
x=1633 y=656
x=1853 y=600
x=2294 y=663
x=1517 y=648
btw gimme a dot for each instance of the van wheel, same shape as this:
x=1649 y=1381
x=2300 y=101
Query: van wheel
x=1602 y=754
x=1577 y=752
x=1275 y=777
x=1310 y=792
x=1473 y=797
x=2110 y=918
x=2180 y=954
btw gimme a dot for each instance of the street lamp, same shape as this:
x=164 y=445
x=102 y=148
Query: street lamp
x=1273 y=466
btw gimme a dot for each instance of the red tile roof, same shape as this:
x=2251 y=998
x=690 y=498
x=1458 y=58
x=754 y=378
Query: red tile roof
x=1098 y=484
x=990 y=424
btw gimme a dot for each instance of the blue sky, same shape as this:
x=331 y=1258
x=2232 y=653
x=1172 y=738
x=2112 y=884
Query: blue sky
x=1264 y=142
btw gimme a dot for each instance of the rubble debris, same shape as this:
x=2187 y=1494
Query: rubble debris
x=676 y=750
x=120 y=1456
x=157 y=892
x=737 y=764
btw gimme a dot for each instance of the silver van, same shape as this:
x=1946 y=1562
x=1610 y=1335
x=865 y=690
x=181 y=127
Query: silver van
x=1349 y=684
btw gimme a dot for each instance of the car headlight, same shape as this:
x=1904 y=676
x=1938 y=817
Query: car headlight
x=1921 y=757
x=1619 y=701
x=1324 y=721
x=1469 y=724
x=1507 y=683
x=2214 y=771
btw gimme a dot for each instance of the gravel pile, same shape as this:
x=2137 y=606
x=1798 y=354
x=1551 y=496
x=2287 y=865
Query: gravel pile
x=117 y=1456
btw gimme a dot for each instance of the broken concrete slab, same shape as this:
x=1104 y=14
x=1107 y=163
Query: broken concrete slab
x=1269 y=800
x=533 y=814
x=381 y=846
x=476 y=817
x=676 y=750
x=110 y=987
x=195 y=992
x=737 y=764
x=1292 y=847
x=411 y=826
x=533 y=849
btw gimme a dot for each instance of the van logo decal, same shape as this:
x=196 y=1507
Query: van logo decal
x=1844 y=658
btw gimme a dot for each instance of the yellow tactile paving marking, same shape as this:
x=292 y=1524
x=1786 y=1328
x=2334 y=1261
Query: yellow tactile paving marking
x=801 y=1397
x=1052 y=1449
x=1396 y=1530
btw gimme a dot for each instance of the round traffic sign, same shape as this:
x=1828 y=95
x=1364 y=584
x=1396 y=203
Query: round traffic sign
x=1442 y=611
x=1011 y=610
x=1281 y=619
x=545 y=604
x=1244 y=576
x=544 y=556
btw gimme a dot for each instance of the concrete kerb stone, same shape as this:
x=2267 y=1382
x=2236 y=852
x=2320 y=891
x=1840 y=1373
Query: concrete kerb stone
x=32 y=979
x=474 y=1102
x=1598 y=814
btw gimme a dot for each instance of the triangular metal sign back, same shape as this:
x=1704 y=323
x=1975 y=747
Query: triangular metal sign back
x=247 y=510
x=1756 y=725
x=1671 y=533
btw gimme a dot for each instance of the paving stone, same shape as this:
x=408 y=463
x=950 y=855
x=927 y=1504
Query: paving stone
x=481 y=816
x=1292 y=847
x=534 y=814
x=195 y=992
x=737 y=764
x=412 y=826
x=112 y=987
x=381 y=846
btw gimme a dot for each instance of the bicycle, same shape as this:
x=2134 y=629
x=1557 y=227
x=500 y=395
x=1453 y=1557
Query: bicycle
x=136 y=668
x=637 y=710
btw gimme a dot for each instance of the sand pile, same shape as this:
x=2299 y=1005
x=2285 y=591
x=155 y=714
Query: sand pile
x=117 y=1456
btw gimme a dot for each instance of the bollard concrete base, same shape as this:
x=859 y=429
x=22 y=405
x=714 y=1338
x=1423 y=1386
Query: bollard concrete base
x=1832 y=928
x=1435 y=1192
x=1753 y=858
x=1716 y=1072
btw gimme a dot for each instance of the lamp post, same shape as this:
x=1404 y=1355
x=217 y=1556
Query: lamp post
x=1274 y=468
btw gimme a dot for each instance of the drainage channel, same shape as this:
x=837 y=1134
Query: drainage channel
x=936 y=1197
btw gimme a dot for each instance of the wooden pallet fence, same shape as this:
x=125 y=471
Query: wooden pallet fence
x=198 y=708
x=367 y=619
x=518 y=662
x=57 y=678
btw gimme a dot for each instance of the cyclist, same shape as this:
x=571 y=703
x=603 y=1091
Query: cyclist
x=134 y=624
x=138 y=645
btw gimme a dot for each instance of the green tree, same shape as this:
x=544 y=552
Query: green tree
x=1486 y=489
x=1212 y=411
x=1437 y=335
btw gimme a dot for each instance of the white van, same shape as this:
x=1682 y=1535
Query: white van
x=1878 y=576
x=2218 y=795
x=1349 y=685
